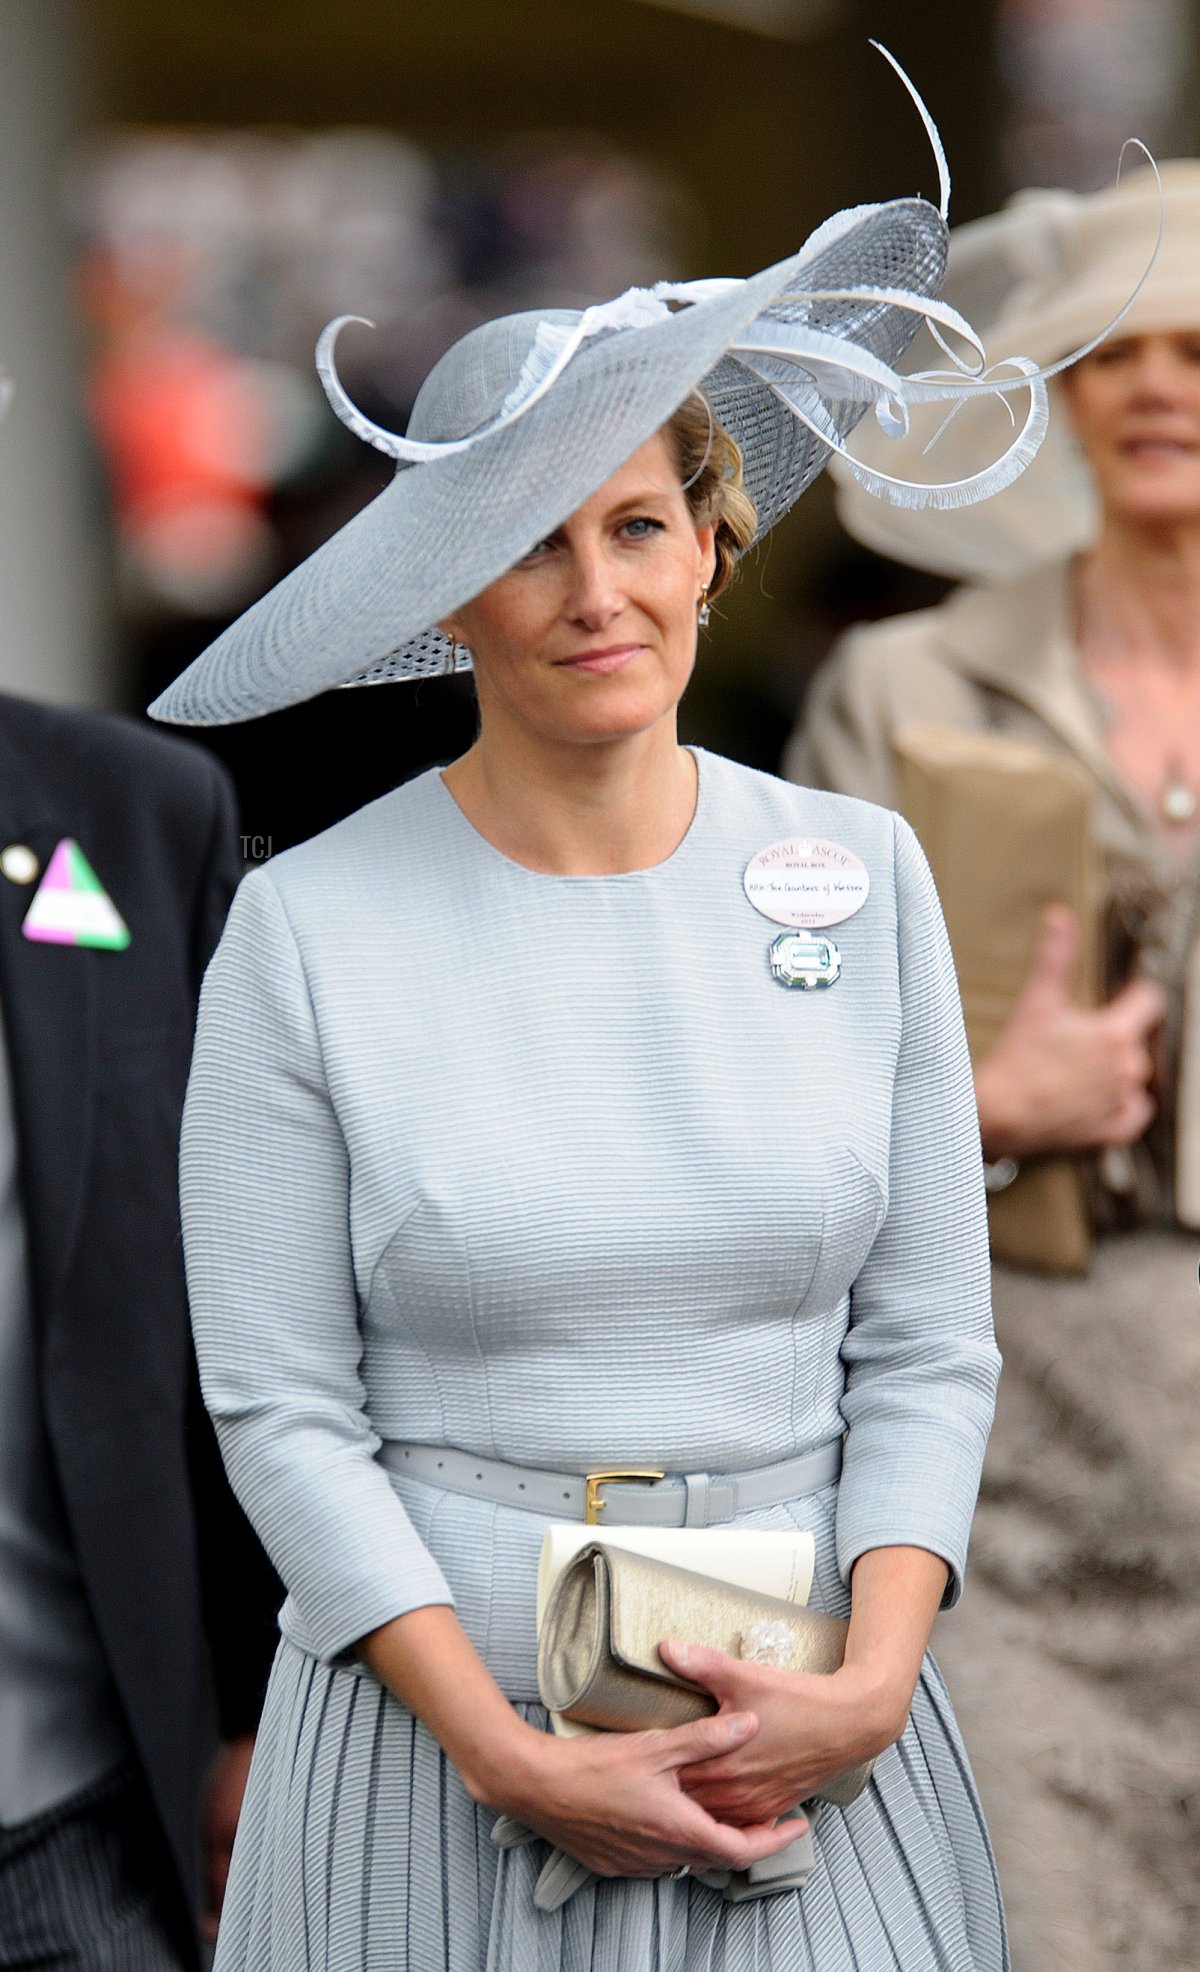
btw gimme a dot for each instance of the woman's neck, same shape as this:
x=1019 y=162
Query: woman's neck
x=1139 y=597
x=579 y=810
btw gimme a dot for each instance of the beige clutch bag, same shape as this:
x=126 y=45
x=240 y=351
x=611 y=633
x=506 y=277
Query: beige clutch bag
x=598 y=1660
x=1007 y=827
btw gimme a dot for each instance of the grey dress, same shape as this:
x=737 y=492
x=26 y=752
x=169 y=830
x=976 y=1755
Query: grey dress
x=552 y=1169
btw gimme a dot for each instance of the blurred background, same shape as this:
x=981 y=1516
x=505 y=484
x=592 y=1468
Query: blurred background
x=188 y=193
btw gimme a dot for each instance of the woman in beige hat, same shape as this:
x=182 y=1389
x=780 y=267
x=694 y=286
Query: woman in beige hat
x=1078 y=629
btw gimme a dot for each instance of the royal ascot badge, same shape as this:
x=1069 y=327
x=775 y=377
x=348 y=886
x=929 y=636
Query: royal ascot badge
x=803 y=959
x=71 y=906
x=807 y=883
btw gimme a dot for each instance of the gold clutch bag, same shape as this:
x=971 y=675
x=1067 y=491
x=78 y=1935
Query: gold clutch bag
x=598 y=1661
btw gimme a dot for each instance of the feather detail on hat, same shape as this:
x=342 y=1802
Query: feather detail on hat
x=1051 y=273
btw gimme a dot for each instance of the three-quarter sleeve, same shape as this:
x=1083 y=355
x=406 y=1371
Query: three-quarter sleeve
x=265 y=1195
x=920 y=1355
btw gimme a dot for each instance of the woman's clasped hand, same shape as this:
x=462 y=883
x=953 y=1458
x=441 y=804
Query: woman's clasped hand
x=708 y=1795
x=810 y=1729
x=615 y=1801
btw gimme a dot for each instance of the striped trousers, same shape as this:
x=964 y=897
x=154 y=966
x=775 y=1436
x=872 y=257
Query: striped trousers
x=81 y=1886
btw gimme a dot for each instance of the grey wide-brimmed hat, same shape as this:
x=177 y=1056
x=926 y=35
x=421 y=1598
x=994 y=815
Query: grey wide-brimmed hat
x=526 y=417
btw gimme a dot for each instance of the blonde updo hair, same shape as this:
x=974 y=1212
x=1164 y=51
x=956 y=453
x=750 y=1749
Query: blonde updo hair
x=710 y=467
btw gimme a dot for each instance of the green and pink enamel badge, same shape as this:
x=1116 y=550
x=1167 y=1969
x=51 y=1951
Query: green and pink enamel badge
x=72 y=907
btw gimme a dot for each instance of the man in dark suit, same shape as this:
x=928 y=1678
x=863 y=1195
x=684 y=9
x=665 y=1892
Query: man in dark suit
x=120 y=1544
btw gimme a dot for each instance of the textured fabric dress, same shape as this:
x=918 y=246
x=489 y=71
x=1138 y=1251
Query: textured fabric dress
x=553 y=1170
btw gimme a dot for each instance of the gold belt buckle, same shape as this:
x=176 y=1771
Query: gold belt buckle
x=593 y=1505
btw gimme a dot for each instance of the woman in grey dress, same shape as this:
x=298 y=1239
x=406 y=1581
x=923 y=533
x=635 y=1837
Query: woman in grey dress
x=515 y=1151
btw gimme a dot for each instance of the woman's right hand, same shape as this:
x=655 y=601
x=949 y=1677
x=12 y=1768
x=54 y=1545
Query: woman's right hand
x=613 y=1800
x=1064 y=1077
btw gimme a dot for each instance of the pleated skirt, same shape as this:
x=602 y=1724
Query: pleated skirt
x=360 y=1851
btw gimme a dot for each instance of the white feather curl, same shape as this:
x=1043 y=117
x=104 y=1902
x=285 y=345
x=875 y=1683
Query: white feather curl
x=807 y=369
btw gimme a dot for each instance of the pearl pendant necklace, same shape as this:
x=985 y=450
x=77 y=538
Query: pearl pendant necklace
x=1177 y=802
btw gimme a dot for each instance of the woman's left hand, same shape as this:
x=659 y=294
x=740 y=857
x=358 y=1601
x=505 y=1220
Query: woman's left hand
x=810 y=1728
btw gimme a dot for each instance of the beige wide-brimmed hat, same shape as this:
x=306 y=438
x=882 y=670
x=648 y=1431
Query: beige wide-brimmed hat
x=1043 y=276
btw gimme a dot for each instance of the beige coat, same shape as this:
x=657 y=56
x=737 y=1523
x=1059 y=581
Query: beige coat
x=1074 y=1657
x=998 y=659
x=1001 y=658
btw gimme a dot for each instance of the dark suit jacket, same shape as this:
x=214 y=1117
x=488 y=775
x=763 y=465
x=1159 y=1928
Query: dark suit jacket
x=99 y=1043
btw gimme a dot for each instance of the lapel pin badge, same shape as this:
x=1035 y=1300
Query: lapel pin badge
x=71 y=906
x=18 y=863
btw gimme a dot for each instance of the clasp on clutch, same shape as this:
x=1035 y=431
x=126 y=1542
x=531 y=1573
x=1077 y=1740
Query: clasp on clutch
x=593 y=1505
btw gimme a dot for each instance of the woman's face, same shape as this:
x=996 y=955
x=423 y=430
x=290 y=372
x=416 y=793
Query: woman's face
x=1135 y=407
x=592 y=636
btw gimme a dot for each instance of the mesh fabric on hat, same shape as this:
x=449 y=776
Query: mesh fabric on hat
x=780 y=457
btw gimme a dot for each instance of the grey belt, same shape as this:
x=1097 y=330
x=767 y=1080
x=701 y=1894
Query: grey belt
x=646 y=1499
